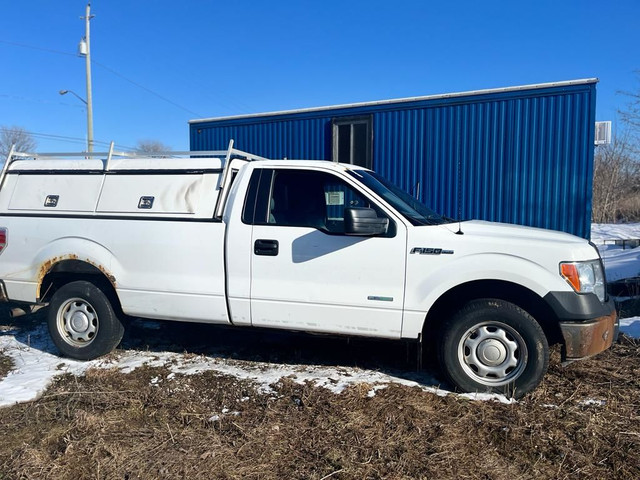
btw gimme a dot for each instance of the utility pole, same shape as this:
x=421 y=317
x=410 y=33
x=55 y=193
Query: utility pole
x=85 y=49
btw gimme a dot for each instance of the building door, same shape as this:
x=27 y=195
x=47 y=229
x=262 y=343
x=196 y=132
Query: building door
x=352 y=140
x=307 y=274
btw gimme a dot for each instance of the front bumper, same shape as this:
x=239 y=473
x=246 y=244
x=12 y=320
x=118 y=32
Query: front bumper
x=584 y=339
x=588 y=326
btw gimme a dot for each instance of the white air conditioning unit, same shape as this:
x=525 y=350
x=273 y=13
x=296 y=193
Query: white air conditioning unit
x=603 y=133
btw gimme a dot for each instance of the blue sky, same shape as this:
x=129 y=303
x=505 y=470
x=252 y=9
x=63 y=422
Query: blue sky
x=158 y=64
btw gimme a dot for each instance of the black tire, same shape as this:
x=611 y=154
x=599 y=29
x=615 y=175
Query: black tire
x=82 y=321
x=492 y=345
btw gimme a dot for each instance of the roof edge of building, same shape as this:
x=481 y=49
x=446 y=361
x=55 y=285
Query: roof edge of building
x=403 y=100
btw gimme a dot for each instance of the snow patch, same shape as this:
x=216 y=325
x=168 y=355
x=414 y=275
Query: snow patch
x=619 y=263
x=630 y=326
x=35 y=365
x=603 y=232
x=372 y=393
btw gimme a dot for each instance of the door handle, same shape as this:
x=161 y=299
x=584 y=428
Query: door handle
x=266 y=247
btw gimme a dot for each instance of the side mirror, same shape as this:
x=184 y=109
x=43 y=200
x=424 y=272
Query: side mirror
x=364 y=221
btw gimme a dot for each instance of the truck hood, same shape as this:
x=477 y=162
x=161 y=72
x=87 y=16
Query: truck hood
x=508 y=232
x=545 y=247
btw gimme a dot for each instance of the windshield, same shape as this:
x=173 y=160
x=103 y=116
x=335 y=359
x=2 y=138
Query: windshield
x=405 y=204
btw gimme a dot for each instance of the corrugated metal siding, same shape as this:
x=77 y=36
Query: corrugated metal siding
x=521 y=157
x=294 y=139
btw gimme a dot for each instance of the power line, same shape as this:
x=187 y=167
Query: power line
x=146 y=89
x=39 y=100
x=63 y=138
x=110 y=70
x=33 y=47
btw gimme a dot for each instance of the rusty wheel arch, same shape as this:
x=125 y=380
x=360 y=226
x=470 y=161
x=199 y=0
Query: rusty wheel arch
x=59 y=271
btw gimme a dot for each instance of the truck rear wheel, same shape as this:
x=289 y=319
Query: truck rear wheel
x=492 y=345
x=82 y=321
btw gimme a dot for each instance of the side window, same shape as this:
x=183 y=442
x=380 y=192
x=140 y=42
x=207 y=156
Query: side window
x=248 y=212
x=299 y=198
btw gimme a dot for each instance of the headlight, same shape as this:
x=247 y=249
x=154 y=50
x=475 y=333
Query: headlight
x=585 y=277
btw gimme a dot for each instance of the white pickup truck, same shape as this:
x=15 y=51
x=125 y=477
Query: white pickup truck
x=232 y=238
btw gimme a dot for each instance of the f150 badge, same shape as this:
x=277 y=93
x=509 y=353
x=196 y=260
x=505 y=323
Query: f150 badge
x=430 y=251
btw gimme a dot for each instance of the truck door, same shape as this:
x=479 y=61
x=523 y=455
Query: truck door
x=307 y=274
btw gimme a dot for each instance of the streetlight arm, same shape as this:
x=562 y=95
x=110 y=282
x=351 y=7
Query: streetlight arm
x=64 y=92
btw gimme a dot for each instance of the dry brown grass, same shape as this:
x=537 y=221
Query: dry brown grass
x=149 y=424
x=6 y=364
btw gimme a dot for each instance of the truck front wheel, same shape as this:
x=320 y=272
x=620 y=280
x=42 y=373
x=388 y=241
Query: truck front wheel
x=82 y=321
x=492 y=345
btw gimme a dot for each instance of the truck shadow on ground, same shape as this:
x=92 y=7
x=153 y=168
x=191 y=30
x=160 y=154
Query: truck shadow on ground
x=396 y=358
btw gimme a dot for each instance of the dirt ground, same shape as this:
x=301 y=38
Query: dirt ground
x=582 y=422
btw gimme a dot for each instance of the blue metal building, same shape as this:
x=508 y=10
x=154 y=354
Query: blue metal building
x=517 y=155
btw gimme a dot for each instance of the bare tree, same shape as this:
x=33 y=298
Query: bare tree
x=152 y=147
x=616 y=168
x=616 y=174
x=631 y=114
x=17 y=136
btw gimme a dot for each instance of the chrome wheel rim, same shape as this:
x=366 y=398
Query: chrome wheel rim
x=77 y=322
x=492 y=353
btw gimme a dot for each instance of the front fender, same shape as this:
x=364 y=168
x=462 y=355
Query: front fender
x=424 y=290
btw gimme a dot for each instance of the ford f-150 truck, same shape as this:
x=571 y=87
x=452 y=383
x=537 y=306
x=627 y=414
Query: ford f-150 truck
x=232 y=238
